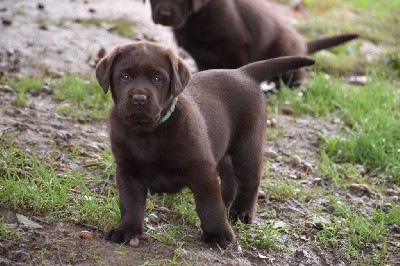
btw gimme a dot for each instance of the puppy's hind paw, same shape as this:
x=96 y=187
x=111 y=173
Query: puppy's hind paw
x=244 y=217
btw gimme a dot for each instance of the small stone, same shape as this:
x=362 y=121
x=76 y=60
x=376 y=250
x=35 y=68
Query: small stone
x=92 y=10
x=271 y=154
x=286 y=110
x=154 y=218
x=358 y=80
x=296 y=160
x=359 y=187
x=134 y=242
x=317 y=181
x=5 y=88
x=392 y=192
x=309 y=225
x=386 y=207
x=47 y=89
x=361 y=169
x=43 y=27
x=334 y=244
x=86 y=235
x=262 y=195
x=274 y=122
x=307 y=167
x=40 y=6
x=6 y=21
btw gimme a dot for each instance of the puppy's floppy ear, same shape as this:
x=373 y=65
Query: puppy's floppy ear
x=198 y=4
x=180 y=75
x=103 y=68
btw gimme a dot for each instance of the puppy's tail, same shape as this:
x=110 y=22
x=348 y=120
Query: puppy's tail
x=269 y=69
x=328 y=42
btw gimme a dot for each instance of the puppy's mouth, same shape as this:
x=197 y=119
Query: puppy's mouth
x=142 y=121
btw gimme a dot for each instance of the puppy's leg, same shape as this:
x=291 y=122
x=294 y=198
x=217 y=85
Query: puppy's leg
x=247 y=162
x=211 y=209
x=132 y=198
x=228 y=180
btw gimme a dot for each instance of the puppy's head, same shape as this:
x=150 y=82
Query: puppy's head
x=144 y=79
x=174 y=13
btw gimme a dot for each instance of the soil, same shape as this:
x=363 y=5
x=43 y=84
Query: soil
x=41 y=40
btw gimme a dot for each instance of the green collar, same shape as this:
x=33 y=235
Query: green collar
x=170 y=111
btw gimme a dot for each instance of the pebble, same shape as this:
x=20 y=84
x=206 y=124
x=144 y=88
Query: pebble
x=271 y=154
x=43 y=27
x=358 y=80
x=317 y=181
x=334 y=244
x=92 y=10
x=262 y=195
x=386 y=207
x=392 y=192
x=361 y=169
x=86 y=235
x=6 y=21
x=307 y=167
x=359 y=187
x=274 y=122
x=154 y=218
x=134 y=242
x=296 y=160
x=286 y=110
x=40 y=6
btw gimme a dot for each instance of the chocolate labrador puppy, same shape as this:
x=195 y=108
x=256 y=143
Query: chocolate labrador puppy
x=171 y=130
x=232 y=33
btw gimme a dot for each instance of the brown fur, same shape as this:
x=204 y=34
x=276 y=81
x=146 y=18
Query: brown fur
x=232 y=33
x=212 y=143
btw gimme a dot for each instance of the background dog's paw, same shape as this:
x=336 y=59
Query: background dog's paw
x=221 y=240
x=244 y=217
x=122 y=235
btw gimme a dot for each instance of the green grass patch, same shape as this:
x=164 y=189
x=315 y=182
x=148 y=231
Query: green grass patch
x=261 y=236
x=374 y=20
x=122 y=26
x=31 y=185
x=84 y=99
x=370 y=116
x=355 y=232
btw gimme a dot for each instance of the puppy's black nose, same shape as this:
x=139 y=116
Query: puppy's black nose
x=139 y=99
x=165 y=13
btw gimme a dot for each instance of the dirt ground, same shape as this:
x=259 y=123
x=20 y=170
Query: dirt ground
x=35 y=43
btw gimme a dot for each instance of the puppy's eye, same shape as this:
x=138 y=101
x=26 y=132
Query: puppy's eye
x=157 y=79
x=125 y=77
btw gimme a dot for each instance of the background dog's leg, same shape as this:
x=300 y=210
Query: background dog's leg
x=132 y=199
x=228 y=180
x=211 y=210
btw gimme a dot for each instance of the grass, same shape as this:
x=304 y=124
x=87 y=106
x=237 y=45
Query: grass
x=31 y=185
x=369 y=114
x=122 y=26
x=356 y=232
x=369 y=118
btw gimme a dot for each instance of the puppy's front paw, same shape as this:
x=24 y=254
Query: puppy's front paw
x=222 y=239
x=122 y=235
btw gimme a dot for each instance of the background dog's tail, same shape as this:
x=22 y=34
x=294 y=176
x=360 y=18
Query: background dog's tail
x=269 y=69
x=327 y=42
